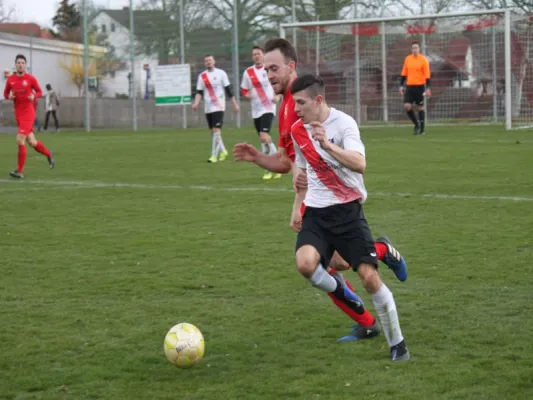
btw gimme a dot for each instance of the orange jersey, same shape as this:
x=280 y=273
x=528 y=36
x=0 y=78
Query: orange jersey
x=416 y=70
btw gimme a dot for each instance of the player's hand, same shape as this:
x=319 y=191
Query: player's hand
x=195 y=106
x=11 y=96
x=236 y=108
x=318 y=133
x=401 y=90
x=296 y=220
x=245 y=152
x=31 y=97
x=427 y=93
x=299 y=181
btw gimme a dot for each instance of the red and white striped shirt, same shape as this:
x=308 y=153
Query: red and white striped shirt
x=329 y=182
x=213 y=84
x=255 y=81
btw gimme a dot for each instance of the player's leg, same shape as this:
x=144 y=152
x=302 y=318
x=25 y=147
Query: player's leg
x=353 y=241
x=21 y=156
x=265 y=126
x=265 y=149
x=56 y=121
x=46 y=119
x=421 y=115
x=218 y=122
x=214 y=144
x=41 y=148
x=408 y=107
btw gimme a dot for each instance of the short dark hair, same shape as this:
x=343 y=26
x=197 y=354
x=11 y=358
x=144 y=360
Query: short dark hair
x=314 y=84
x=209 y=55
x=415 y=42
x=48 y=86
x=284 y=46
x=20 y=57
x=257 y=47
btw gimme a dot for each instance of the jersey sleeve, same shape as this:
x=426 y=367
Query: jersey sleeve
x=7 y=89
x=200 y=83
x=298 y=159
x=245 y=83
x=351 y=137
x=405 y=69
x=225 y=79
x=36 y=88
x=427 y=70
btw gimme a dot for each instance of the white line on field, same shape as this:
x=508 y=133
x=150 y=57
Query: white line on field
x=22 y=185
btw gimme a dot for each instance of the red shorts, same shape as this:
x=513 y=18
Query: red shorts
x=25 y=126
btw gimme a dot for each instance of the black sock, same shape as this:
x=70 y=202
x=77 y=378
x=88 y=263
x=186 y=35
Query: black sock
x=412 y=116
x=422 y=116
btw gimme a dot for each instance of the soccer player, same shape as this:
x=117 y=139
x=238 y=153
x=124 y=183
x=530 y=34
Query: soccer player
x=213 y=86
x=329 y=150
x=256 y=87
x=280 y=63
x=23 y=89
x=416 y=73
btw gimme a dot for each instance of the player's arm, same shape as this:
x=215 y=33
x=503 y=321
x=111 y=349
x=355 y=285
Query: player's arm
x=278 y=162
x=7 y=89
x=403 y=76
x=37 y=91
x=299 y=169
x=229 y=94
x=246 y=87
x=427 y=74
x=199 y=93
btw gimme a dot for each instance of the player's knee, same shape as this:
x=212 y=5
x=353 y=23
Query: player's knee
x=32 y=142
x=307 y=260
x=21 y=141
x=369 y=277
x=407 y=107
x=338 y=263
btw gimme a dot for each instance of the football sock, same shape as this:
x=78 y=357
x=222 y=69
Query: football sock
x=221 y=146
x=39 y=147
x=272 y=148
x=422 y=117
x=364 y=319
x=264 y=148
x=21 y=158
x=214 y=144
x=381 y=250
x=387 y=314
x=412 y=116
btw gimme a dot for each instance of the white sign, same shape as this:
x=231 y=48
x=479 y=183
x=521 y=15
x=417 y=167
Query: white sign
x=172 y=84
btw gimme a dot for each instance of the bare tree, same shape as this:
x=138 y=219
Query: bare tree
x=7 y=14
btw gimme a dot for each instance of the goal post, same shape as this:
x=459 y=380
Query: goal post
x=479 y=64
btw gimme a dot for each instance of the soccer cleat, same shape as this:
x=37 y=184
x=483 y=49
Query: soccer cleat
x=51 y=161
x=16 y=174
x=277 y=176
x=223 y=156
x=212 y=159
x=393 y=259
x=400 y=352
x=416 y=131
x=267 y=175
x=361 y=332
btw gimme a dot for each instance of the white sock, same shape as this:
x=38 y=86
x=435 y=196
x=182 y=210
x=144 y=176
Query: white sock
x=221 y=143
x=387 y=315
x=322 y=280
x=264 y=148
x=214 y=145
x=272 y=148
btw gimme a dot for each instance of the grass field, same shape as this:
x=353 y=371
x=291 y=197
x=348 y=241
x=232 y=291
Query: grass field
x=133 y=233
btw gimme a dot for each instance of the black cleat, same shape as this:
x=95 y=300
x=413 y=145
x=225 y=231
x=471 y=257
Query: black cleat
x=51 y=161
x=400 y=352
x=16 y=174
x=361 y=332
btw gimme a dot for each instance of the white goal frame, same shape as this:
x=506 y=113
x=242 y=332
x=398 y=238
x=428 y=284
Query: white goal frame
x=506 y=13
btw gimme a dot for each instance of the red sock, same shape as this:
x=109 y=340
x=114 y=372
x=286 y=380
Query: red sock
x=381 y=250
x=21 y=158
x=39 y=147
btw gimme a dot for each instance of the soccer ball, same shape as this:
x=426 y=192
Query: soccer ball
x=184 y=345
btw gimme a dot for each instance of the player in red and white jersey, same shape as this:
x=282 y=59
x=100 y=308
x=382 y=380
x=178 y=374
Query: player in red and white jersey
x=329 y=150
x=256 y=87
x=213 y=86
x=280 y=63
x=23 y=89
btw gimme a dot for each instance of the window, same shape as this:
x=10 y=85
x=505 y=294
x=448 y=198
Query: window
x=103 y=28
x=112 y=27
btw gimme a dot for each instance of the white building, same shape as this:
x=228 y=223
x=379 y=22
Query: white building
x=45 y=58
x=156 y=33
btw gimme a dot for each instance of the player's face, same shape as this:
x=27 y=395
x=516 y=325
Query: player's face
x=415 y=49
x=209 y=62
x=306 y=106
x=278 y=70
x=257 y=57
x=21 y=66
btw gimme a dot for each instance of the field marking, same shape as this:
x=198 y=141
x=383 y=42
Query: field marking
x=96 y=185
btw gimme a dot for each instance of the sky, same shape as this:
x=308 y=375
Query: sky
x=42 y=11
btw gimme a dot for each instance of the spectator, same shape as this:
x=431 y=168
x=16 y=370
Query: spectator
x=52 y=102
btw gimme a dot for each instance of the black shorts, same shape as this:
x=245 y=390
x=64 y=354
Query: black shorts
x=341 y=227
x=264 y=123
x=215 y=119
x=414 y=94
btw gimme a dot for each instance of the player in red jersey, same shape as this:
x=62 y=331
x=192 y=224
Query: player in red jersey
x=23 y=89
x=280 y=62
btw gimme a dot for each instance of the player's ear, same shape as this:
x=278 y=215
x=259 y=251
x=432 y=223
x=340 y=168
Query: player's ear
x=292 y=66
x=319 y=100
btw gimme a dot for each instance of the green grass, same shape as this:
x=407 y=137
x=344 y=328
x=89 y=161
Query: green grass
x=94 y=276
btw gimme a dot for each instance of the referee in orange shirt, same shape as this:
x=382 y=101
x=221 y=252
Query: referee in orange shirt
x=414 y=86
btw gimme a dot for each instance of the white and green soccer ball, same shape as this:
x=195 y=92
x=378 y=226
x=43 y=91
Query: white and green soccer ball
x=184 y=345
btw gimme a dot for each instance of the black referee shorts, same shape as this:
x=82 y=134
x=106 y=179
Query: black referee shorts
x=264 y=123
x=414 y=94
x=341 y=227
x=215 y=119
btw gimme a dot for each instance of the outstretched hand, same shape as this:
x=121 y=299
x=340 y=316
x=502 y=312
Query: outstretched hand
x=245 y=152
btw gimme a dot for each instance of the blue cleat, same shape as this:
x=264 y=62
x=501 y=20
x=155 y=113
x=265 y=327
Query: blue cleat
x=361 y=332
x=393 y=259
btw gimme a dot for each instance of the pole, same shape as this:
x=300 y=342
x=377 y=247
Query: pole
x=357 y=66
x=132 y=62
x=317 y=51
x=87 y=113
x=236 y=59
x=494 y=76
x=508 y=77
x=294 y=41
x=31 y=55
x=423 y=41
x=384 y=84
x=182 y=55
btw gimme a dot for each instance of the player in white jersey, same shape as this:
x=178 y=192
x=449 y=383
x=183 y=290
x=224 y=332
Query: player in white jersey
x=213 y=85
x=328 y=148
x=256 y=87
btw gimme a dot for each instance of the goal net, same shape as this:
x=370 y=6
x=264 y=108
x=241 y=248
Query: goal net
x=479 y=65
